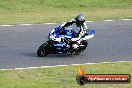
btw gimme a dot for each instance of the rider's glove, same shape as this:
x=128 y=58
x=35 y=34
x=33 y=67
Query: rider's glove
x=62 y=28
x=52 y=37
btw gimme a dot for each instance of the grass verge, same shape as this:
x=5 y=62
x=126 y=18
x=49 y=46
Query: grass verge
x=62 y=77
x=41 y=11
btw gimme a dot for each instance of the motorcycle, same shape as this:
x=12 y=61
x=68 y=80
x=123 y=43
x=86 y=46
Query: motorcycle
x=61 y=42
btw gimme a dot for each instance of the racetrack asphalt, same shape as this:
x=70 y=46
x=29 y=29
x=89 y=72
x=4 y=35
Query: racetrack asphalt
x=19 y=43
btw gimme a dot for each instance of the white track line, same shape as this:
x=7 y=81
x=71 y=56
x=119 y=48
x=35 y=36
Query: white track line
x=126 y=19
x=61 y=65
x=75 y=64
x=90 y=63
x=106 y=62
x=25 y=24
x=88 y=21
x=20 y=68
x=6 y=25
x=108 y=20
x=123 y=61
x=48 y=66
x=50 y=23
x=5 y=69
x=33 y=67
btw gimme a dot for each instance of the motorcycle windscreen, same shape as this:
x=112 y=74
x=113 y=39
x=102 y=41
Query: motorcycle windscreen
x=90 y=32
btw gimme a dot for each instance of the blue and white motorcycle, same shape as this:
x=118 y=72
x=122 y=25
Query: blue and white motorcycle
x=64 y=41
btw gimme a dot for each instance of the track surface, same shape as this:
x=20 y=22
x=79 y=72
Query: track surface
x=18 y=45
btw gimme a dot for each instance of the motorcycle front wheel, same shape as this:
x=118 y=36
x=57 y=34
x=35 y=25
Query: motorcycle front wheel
x=42 y=51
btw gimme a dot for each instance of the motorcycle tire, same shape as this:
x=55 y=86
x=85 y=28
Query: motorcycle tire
x=85 y=43
x=42 y=51
x=75 y=52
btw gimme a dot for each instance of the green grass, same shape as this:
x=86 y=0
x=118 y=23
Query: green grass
x=62 y=77
x=41 y=11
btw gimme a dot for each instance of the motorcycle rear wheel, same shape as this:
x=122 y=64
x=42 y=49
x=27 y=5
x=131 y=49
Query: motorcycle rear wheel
x=85 y=43
x=75 y=52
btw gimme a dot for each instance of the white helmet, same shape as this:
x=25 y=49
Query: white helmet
x=80 y=19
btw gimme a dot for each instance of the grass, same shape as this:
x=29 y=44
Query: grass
x=41 y=11
x=62 y=77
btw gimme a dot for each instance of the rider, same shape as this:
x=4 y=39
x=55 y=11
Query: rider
x=78 y=24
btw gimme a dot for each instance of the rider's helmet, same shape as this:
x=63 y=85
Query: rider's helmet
x=80 y=19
